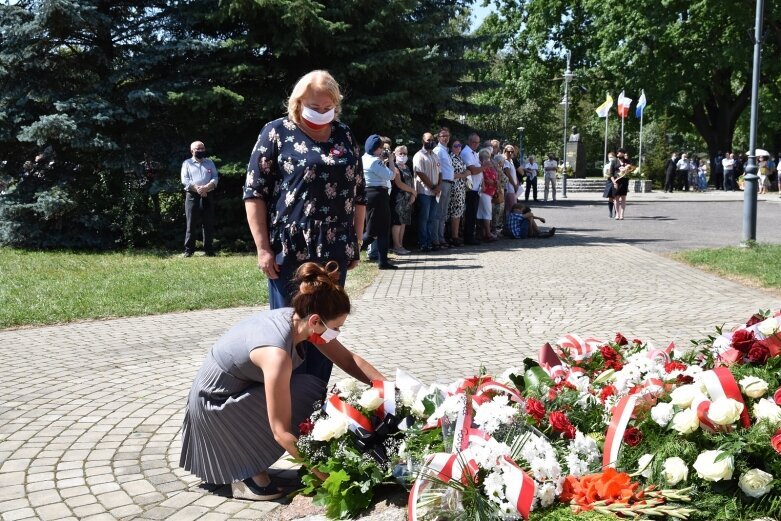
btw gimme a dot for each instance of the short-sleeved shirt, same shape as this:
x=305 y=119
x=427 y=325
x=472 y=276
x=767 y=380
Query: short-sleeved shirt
x=550 y=166
x=266 y=329
x=428 y=163
x=310 y=188
x=375 y=173
x=531 y=170
x=198 y=173
x=445 y=163
x=470 y=158
x=728 y=164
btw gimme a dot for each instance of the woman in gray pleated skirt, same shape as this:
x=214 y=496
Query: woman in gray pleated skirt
x=245 y=405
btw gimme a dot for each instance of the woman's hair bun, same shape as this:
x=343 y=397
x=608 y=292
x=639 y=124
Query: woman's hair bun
x=311 y=277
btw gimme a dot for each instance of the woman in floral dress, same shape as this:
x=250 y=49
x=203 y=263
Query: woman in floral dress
x=457 y=193
x=305 y=193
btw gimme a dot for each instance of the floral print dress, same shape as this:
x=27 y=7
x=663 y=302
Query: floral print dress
x=310 y=188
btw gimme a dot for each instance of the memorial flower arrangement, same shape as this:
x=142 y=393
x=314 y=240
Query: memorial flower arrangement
x=616 y=428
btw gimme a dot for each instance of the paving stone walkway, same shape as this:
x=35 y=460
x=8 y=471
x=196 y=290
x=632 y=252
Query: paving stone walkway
x=90 y=412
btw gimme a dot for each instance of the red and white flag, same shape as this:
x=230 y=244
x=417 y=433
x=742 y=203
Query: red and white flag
x=623 y=105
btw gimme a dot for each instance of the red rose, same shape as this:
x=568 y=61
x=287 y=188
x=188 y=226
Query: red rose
x=669 y=367
x=633 y=436
x=758 y=354
x=777 y=396
x=621 y=339
x=606 y=392
x=683 y=379
x=559 y=421
x=775 y=441
x=742 y=340
x=305 y=427
x=535 y=409
x=756 y=318
x=637 y=341
x=608 y=353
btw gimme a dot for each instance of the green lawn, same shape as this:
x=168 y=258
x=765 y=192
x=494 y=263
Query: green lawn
x=52 y=287
x=758 y=266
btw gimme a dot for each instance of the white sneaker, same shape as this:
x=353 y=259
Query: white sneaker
x=248 y=489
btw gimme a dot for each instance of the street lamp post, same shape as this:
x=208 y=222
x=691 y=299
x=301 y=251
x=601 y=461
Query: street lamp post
x=567 y=79
x=750 y=185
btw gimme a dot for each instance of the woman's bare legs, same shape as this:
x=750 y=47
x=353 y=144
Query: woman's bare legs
x=397 y=234
x=455 y=225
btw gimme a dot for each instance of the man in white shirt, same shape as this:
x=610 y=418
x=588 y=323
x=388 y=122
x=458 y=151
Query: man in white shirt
x=549 y=166
x=683 y=172
x=426 y=167
x=199 y=177
x=530 y=170
x=729 y=171
x=474 y=180
x=446 y=173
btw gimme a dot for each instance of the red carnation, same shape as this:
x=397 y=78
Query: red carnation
x=305 y=427
x=535 y=409
x=756 y=318
x=777 y=396
x=633 y=436
x=742 y=340
x=669 y=367
x=758 y=354
x=621 y=339
x=569 y=432
x=559 y=421
x=606 y=392
x=775 y=441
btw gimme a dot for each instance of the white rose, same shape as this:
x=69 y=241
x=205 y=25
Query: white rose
x=326 y=429
x=663 y=413
x=725 y=411
x=686 y=421
x=674 y=470
x=370 y=399
x=766 y=409
x=753 y=387
x=711 y=470
x=419 y=409
x=682 y=396
x=768 y=327
x=347 y=386
x=755 y=483
x=644 y=465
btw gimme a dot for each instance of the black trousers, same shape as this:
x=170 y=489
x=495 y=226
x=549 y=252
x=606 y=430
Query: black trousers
x=729 y=180
x=470 y=214
x=683 y=180
x=669 y=181
x=199 y=211
x=531 y=185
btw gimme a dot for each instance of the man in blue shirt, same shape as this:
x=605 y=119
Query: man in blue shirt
x=199 y=177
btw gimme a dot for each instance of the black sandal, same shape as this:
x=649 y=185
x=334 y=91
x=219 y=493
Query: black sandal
x=248 y=489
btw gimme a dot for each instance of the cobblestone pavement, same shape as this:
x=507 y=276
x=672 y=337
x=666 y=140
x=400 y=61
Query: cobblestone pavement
x=90 y=412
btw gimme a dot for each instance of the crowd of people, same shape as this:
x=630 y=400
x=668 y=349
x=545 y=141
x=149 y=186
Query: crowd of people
x=685 y=172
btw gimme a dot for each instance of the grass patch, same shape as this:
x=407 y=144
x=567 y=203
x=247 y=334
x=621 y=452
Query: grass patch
x=758 y=266
x=39 y=288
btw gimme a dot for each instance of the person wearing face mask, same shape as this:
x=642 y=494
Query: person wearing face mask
x=305 y=194
x=378 y=178
x=427 y=183
x=246 y=402
x=199 y=177
x=402 y=198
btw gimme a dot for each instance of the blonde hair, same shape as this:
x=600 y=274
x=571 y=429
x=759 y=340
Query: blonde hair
x=399 y=148
x=318 y=81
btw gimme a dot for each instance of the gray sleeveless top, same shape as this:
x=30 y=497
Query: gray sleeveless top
x=265 y=329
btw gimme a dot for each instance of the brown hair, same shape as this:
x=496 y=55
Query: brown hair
x=319 y=291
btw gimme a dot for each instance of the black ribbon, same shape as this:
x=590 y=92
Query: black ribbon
x=372 y=443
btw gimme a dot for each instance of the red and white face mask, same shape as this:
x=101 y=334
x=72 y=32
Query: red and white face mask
x=326 y=336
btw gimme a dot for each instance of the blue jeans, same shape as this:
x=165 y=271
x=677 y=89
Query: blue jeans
x=280 y=295
x=427 y=220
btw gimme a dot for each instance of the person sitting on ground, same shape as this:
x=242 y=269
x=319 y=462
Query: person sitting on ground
x=520 y=224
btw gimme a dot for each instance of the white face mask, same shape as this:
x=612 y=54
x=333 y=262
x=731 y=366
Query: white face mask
x=317 y=118
x=401 y=159
x=329 y=334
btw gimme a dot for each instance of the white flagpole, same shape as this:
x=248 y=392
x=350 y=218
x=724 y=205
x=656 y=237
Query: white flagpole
x=620 y=115
x=605 y=156
x=640 y=154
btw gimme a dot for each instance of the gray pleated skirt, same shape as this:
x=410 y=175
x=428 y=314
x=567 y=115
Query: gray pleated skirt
x=226 y=436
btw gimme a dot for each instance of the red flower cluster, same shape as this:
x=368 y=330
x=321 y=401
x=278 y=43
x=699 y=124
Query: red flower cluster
x=684 y=379
x=758 y=353
x=305 y=427
x=535 y=409
x=743 y=339
x=560 y=423
x=607 y=391
x=669 y=367
x=612 y=358
x=621 y=339
x=633 y=436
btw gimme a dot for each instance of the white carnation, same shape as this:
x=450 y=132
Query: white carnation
x=493 y=414
x=662 y=413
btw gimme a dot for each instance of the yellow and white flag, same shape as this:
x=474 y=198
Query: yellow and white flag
x=604 y=109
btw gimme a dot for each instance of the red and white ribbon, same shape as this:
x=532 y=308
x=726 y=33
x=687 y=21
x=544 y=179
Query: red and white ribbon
x=721 y=384
x=520 y=489
x=663 y=355
x=497 y=388
x=621 y=415
x=334 y=406
x=387 y=392
x=576 y=347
